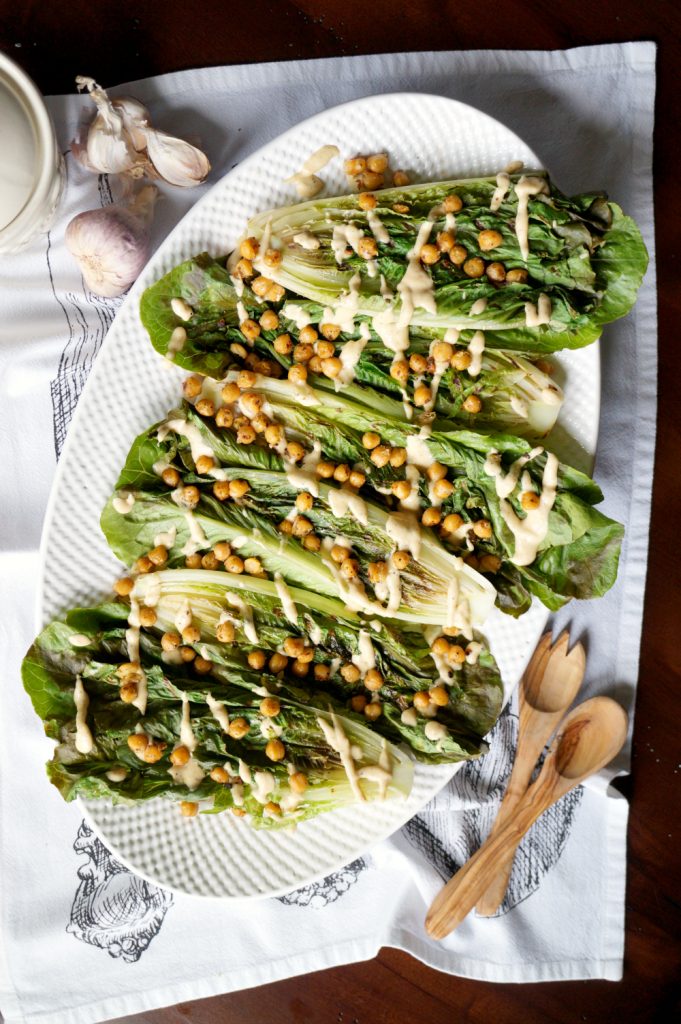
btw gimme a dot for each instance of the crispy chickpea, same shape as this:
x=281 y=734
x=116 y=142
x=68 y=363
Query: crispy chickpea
x=243 y=269
x=322 y=673
x=308 y=335
x=238 y=350
x=300 y=668
x=422 y=700
x=358 y=703
x=143 y=565
x=205 y=407
x=381 y=456
x=297 y=374
x=192 y=387
x=439 y=696
x=295 y=451
x=260 y=423
x=371 y=440
x=294 y=646
x=189 y=808
x=440 y=647
x=325 y=469
x=452 y=203
x=332 y=367
x=377 y=162
x=224 y=417
x=436 y=471
x=238 y=812
x=342 y=473
x=482 y=529
x=529 y=500
x=193 y=561
x=246 y=380
x=312 y=542
x=153 y=752
x=373 y=710
x=373 y=680
x=400 y=208
x=272 y=809
x=301 y=526
x=330 y=331
x=238 y=727
x=298 y=782
x=349 y=568
x=147 y=617
x=270 y=707
x=170 y=641
x=202 y=666
x=398 y=457
x=357 y=479
x=431 y=517
x=123 y=586
x=442 y=352
x=249 y=248
x=377 y=571
x=472 y=404
x=257 y=660
x=315 y=364
x=269 y=321
x=399 y=371
x=245 y=434
x=452 y=523
x=490 y=563
x=191 y=634
x=138 y=742
x=442 y=489
x=367 y=201
x=355 y=165
x=230 y=392
x=339 y=553
x=250 y=403
x=221 y=490
x=235 y=565
x=170 y=476
x=517 y=275
x=400 y=559
x=429 y=254
x=219 y=774
x=400 y=178
x=303 y=353
x=422 y=395
x=367 y=248
x=128 y=692
x=179 y=756
x=401 y=489
x=418 y=363
x=261 y=286
x=204 y=464
x=489 y=239
x=350 y=673
x=461 y=360
x=324 y=349
x=283 y=344
x=474 y=267
x=275 y=293
x=369 y=181
x=277 y=662
x=275 y=750
x=250 y=329
x=253 y=566
x=274 y=434
x=445 y=241
x=456 y=654
x=272 y=258
x=496 y=272
x=225 y=632
x=458 y=255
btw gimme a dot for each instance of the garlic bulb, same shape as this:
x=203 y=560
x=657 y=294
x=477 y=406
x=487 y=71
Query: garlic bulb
x=176 y=161
x=111 y=245
x=121 y=140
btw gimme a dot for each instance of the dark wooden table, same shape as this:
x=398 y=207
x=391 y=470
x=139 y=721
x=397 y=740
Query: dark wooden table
x=128 y=40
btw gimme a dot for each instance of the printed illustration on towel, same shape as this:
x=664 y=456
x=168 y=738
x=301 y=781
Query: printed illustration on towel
x=113 y=908
x=88 y=318
x=451 y=829
x=319 y=894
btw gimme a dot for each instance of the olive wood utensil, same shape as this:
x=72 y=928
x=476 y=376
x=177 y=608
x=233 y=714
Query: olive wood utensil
x=588 y=739
x=548 y=688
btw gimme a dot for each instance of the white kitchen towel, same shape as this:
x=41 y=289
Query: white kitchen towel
x=81 y=938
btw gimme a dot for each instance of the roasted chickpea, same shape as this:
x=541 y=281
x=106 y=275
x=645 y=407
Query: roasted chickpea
x=472 y=404
x=431 y=517
x=528 y=500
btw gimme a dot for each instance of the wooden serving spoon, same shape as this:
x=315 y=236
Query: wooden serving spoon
x=588 y=739
x=548 y=688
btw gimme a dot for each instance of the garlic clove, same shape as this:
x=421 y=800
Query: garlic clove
x=177 y=161
x=109 y=147
x=135 y=120
x=111 y=244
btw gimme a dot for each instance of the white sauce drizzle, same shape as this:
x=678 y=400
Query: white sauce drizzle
x=436 y=731
x=181 y=309
x=123 y=503
x=476 y=346
x=166 y=538
x=349 y=357
x=525 y=187
x=288 y=607
x=187 y=737
x=409 y=717
x=452 y=335
x=218 y=711
x=176 y=342
x=500 y=192
x=314 y=631
x=191 y=432
x=190 y=774
x=343 y=501
x=404 y=530
x=300 y=317
x=365 y=657
x=246 y=613
x=84 y=739
x=80 y=640
x=479 y=306
x=416 y=287
x=183 y=616
x=345 y=235
x=458 y=609
x=530 y=531
x=244 y=772
x=306 y=181
x=197 y=538
x=304 y=477
x=380 y=773
x=378 y=228
x=338 y=741
x=473 y=650
x=117 y=774
x=540 y=314
x=306 y=240
x=265 y=784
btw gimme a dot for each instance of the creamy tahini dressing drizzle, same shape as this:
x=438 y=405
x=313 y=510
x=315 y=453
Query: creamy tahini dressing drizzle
x=314 y=631
x=343 y=501
x=264 y=784
x=540 y=314
x=479 y=306
x=218 y=711
x=306 y=181
x=416 y=287
x=183 y=616
x=300 y=317
x=117 y=774
x=476 y=347
x=123 y=503
x=345 y=235
x=378 y=228
x=187 y=737
x=404 y=530
x=350 y=356
x=409 y=717
x=525 y=187
x=503 y=185
x=197 y=538
x=244 y=772
x=380 y=773
x=166 y=538
x=306 y=240
x=473 y=650
x=365 y=658
x=458 y=608
x=436 y=731
x=80 y=640
x=338 y=741
x=190 y=774
x=530 y=531
x=288 y=607
x=176 y=342
x=190 y=431
x=84 y=738
x=304 y=477
x=246 y=613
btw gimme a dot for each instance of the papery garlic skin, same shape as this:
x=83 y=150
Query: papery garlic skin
x=108 y=145
x=136 y=120
x=111 y=245
x=177 y=162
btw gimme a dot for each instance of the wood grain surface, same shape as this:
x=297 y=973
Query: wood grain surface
x=55 y=41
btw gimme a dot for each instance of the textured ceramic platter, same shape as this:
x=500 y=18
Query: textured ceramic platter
x=131 y=386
